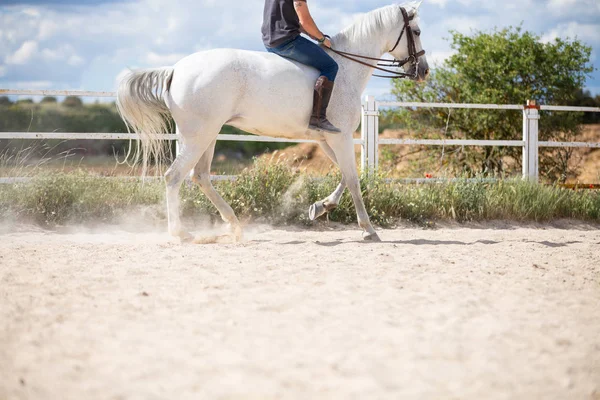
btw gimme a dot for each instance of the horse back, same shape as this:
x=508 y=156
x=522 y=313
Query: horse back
x=256 y=91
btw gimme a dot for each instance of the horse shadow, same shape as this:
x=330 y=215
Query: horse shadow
x=428 y=242
x=414 y=242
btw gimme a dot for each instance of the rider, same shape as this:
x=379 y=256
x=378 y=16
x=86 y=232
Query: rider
x=283 y=21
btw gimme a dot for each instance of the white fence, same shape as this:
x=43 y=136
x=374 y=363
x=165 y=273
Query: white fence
x=369 y=141
x=530 y=142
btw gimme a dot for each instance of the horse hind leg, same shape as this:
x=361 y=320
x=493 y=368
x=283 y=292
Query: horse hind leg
x=193 y=146
x=331 y=202
x=201 y=176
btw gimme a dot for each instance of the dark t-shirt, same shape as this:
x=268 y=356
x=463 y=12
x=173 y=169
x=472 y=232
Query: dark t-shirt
x=280 y=22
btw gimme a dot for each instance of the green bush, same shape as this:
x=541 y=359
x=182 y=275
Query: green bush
x=76 y=197
x=277 y=194
x=72 y=115
x=483 y=69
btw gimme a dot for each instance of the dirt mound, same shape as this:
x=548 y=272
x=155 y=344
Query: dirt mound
x=309 y=157
x=588 y=160
x=412 y=161
x=304 y=156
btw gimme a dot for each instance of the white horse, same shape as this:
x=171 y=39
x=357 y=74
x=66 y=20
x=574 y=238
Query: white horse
x=265 y=94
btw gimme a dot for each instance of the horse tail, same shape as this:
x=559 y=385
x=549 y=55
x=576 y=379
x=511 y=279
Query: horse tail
x=141 y=104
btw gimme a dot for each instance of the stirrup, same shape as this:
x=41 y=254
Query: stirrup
x=324 y=126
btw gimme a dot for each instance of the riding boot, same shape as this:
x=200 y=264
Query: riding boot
x=321 y=97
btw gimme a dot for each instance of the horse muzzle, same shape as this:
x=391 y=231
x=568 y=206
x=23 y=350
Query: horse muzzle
x=419 y=72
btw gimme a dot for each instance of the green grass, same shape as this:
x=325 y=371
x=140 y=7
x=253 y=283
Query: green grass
x=275 y=193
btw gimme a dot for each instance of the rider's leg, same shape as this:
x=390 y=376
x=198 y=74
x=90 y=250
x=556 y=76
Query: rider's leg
x=321 y=96
x=307 y=52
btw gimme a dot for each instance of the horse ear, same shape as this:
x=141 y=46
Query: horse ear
x=418 y=5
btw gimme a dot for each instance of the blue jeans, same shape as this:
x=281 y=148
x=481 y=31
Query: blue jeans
x=306 y=52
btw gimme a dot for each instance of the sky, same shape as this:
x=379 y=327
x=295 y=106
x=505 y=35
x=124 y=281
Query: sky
x=89 y=44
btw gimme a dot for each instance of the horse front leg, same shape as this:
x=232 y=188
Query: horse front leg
x=328 y=204
x=331 y=202
x=343 y=148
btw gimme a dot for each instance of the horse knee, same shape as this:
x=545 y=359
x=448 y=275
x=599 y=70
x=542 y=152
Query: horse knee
x=201 y=179
x=172 y=177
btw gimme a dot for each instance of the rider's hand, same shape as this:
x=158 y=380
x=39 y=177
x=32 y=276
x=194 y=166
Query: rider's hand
x=327 y=43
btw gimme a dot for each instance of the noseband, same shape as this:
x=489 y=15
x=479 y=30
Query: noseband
x=413 y=56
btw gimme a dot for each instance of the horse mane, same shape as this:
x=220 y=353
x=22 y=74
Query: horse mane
x=375 y=21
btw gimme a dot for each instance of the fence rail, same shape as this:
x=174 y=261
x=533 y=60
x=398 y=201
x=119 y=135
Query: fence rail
x=530 y=143
x=369 y=141
x=484 y=106
x=133 y=136
x=453 y=142
x=79 y=93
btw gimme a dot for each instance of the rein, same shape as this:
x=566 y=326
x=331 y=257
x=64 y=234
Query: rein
x=382 y=64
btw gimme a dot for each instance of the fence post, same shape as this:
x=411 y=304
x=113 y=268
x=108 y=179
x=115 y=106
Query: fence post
x=531 y=118
x=369 y=158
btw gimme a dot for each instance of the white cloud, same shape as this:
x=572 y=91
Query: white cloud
x=437 y=58
x=462 y=24
x=158 y=60
x=561 y=4
x=121 y=75
x=32 y=12
x=75 y=61
x=575 y=9
x=24 y=54
x=63 y=53
x=51 y=55
x=588 y=33
x=72 y=48
x=47 y=29
x=441 y=3
x=42 y=84
x=333 y=19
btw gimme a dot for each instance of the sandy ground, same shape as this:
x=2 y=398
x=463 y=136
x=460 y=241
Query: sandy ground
x=478 y=312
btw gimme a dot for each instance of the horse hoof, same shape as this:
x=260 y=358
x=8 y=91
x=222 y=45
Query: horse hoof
x=219 y=239
x=182 y=235
x=320 y=208
x=316 y=210
x=237 y=234
x=186 y=237
x=371 y=237
x=206 y=240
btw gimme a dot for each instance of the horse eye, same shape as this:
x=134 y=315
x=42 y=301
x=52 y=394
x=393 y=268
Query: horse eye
x=417 y=33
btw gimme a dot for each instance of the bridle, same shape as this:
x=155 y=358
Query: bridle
x=413 y=56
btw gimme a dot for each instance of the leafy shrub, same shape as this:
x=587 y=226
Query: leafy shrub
x=275 y=193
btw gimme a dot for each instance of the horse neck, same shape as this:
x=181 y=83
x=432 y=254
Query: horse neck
x=369 y=46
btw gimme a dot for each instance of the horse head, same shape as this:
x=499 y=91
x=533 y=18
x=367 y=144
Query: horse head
x=405 y=42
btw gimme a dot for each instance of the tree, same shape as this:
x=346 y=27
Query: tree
x=48 y=100
x=28 y=116
x=72 y=102
x=585 y=99
x=5 y=101
x=505 y=66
